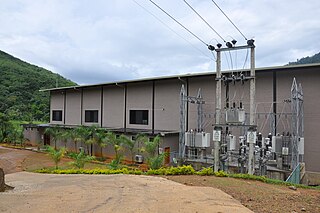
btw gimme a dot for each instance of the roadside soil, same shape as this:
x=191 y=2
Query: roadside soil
x=101 y=193
x=258 y=196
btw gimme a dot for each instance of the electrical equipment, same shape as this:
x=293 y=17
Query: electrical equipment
x=276 y=144
x=231 y=142
x=138 y=159
x=235 y=116
x=285 y=150
x=160 y=151
x=301 y=145
x=197 y=139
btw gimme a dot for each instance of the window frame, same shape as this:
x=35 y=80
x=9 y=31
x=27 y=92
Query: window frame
x=56 y=117
x=92 y=118
x=136 y=119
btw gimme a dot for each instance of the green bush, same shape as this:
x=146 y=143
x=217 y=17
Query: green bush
x=91 y=171
x=206 y=172
x=80 y=159
x=181 y=170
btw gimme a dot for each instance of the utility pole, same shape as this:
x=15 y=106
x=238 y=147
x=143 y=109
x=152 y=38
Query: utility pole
x=218 y=112
x=252 y=110
x=218 y=125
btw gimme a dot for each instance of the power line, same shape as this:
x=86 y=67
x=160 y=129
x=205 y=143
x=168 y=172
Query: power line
x=179 y=23
x=172 y=30
x=204 y=20
x=229 y=19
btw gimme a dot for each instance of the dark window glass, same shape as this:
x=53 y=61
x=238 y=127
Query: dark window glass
x=139 y=117
x=57 y=115
x=91 y=116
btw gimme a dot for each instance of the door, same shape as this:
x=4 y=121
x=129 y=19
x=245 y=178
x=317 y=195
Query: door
x=167 y=157
x=46 y=139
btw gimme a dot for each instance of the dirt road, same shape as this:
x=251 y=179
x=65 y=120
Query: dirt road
x=102 y=193
x=110 y=193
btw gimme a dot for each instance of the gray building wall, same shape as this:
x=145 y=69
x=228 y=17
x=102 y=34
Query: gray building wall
x=139 y=97
x=166 y=104
x=73 y=107
x=57 y=103
x=113 y=106
x=91 y=101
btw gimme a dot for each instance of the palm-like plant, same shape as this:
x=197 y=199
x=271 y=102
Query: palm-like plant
x=154 y=159
x=56 y=155
x=64 y=136
x=100 y=138
x=80 y=159
x=82 y=135
x=130 y=144
x=55 y=134
x=73 y=135
x=116 y=143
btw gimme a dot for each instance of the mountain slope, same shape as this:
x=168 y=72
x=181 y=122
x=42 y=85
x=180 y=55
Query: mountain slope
x=307 y=60
x=19 y=89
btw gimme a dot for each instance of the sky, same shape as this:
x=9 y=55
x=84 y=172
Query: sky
x=97 y=41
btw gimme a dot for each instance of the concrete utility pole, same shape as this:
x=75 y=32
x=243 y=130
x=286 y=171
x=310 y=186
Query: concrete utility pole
x=252 y=110
x=218 y=112
x=218 y=125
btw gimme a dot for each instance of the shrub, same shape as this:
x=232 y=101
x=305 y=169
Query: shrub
x=206 y=172
x=181 y=170
x=80 y=159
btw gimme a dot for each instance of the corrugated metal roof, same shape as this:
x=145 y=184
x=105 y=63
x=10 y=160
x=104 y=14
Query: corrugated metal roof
x=182 y=76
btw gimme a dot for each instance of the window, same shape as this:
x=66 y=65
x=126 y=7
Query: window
x=139 y=117
x=91 y=116
x=56 y=115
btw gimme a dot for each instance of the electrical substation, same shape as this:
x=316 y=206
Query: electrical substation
x=239 y=144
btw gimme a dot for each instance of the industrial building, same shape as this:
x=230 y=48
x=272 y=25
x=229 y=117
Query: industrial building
x=152 y=106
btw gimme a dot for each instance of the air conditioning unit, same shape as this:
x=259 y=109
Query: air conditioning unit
x=138 y=159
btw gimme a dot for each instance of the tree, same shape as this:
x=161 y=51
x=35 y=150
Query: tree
x=116 y=143
x=80 y=159
x=73 y=135
x=5 y=126
x=55 y=134
x=100 y=138
x=82 y=135
x=130 y=144
x=154 y=160
x=64 y=136
x=56 y=155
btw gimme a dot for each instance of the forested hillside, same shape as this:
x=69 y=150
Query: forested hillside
x=307 y=60
x=20 y=82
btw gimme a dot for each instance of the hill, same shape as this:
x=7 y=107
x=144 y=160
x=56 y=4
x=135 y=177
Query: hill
x=19 y=89
x=307 y=60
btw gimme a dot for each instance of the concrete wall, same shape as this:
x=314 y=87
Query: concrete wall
x=139 y=97
x=113 y=106
x=167 y=104
x=91 y=101
x=73 y=107
x=57 y=103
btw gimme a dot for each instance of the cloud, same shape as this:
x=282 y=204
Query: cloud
x=103 y=41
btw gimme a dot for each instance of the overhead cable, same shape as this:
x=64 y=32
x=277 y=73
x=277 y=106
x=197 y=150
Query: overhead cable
x=178 y=23
x=172 y=30
x=204 y=20
x=229 y=19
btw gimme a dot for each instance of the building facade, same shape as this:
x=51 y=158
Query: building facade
x=152 y=106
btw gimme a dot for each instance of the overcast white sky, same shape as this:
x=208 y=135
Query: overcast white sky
x=95 y=41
